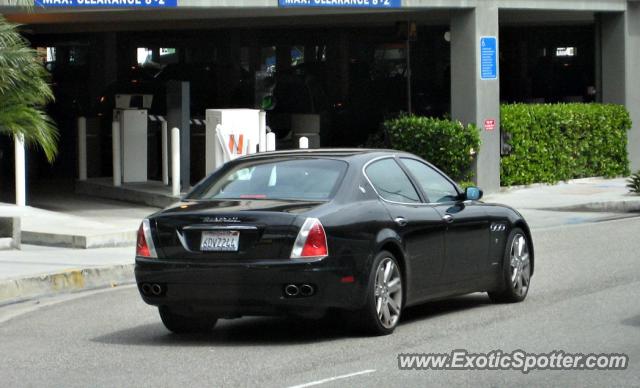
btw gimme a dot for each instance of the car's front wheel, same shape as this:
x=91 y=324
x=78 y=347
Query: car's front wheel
x=180 y=324
x=516 y=270
x=384 y=296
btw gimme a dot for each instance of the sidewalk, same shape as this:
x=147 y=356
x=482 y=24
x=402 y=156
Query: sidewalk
x=37 y=271
x=65 y=219
x=575 y=202
x=82 y=243
x=588 y=194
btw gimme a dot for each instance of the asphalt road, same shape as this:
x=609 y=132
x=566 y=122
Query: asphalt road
x=585 y=298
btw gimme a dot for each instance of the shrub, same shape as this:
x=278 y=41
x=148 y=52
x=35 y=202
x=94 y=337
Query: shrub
x=556 y=142
x=447 y=144
x=634 y=183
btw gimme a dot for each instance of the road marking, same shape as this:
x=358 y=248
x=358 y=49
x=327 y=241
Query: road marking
x=318 y=382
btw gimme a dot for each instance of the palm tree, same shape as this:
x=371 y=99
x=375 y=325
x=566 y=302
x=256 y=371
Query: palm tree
x=24 y=90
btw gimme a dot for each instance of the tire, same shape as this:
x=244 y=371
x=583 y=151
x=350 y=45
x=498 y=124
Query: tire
x=516 y=273
x=180 y=324
x=385 y=294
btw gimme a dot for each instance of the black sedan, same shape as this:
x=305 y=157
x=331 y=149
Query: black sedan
x=301 y=233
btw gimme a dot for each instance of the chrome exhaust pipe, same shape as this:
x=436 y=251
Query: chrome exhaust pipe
x=291 y=290
x=156 y=289
x=146 y=288
x=306 y=290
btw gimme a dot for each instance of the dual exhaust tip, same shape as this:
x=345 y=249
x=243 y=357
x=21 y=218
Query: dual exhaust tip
x=152 y=289
x=290 y=290
x=294 y=290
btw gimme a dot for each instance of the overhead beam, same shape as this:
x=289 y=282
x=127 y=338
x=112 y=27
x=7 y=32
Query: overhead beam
x=565 y=5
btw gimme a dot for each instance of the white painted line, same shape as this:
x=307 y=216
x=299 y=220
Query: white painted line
x=318 y=382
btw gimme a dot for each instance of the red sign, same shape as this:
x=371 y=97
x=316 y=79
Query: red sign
x=489 y=124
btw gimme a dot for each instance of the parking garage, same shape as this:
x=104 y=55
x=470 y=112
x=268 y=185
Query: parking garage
x=342 y=71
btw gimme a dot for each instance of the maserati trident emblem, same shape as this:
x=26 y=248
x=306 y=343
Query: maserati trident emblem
x=221 y=219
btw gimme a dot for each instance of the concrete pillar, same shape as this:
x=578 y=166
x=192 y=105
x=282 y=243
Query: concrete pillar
x=344 y=64
x=82 y=148
x=310 y=55
x=338 y=65
x=179 y=116
x=116 y=153
x=283 y=57
x=474 y=100
x=110 y=57
x=165 y=153
x=620 y=59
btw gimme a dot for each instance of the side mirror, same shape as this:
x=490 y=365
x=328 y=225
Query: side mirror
x=473 y=194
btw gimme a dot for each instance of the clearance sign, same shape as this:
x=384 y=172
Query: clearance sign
x=106 y=3
x=340 y=3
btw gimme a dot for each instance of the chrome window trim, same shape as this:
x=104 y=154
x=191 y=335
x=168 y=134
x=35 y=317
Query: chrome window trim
x=394 y=156
x=364 y=172
x=437 y=171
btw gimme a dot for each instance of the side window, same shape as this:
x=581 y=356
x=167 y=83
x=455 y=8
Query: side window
x=391 y=182
x=434 y=185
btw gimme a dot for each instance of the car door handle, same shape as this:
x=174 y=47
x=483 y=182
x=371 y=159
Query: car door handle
x=448 y=218
x=401 y=221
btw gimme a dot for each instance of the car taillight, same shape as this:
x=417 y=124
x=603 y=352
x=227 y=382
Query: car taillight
x=311 y=242
x=144 y=243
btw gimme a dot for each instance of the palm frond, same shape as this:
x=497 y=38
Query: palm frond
x=24 y=91
x=35 y=125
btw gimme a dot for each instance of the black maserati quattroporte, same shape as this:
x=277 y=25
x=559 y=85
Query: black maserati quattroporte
x=300 y=233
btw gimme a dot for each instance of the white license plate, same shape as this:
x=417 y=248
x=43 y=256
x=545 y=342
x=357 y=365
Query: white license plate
x=220 y=241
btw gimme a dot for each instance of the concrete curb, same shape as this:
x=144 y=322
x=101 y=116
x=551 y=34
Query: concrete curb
x=19 y=290
x=10 y=232
x=632 y=206
x=105 y=240
x=125 y=194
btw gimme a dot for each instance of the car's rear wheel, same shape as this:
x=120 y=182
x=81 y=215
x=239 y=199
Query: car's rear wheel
x=384 y=296
x=516 y=270
x=180 y=324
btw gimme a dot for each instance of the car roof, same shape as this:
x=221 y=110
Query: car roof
x=322 y=152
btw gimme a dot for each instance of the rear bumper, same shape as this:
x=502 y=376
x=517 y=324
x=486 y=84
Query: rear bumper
x=235 y=289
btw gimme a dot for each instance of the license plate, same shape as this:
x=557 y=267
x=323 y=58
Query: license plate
x=220 y=241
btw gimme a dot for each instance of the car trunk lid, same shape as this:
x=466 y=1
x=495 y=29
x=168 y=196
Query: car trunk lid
x=229 y=230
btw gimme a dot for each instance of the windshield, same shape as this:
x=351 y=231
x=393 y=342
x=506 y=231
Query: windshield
x=295 y=179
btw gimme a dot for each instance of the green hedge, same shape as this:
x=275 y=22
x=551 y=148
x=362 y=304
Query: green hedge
x=556 y=142
x=447 y=144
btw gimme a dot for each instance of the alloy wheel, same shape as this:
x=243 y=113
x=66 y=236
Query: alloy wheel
x=520 y=265
x=388 y=293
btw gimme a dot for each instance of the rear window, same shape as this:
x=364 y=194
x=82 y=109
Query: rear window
x=296 y=179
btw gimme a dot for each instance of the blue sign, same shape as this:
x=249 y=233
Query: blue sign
x=340 y=3
x=488 y=58
x=106 y=3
